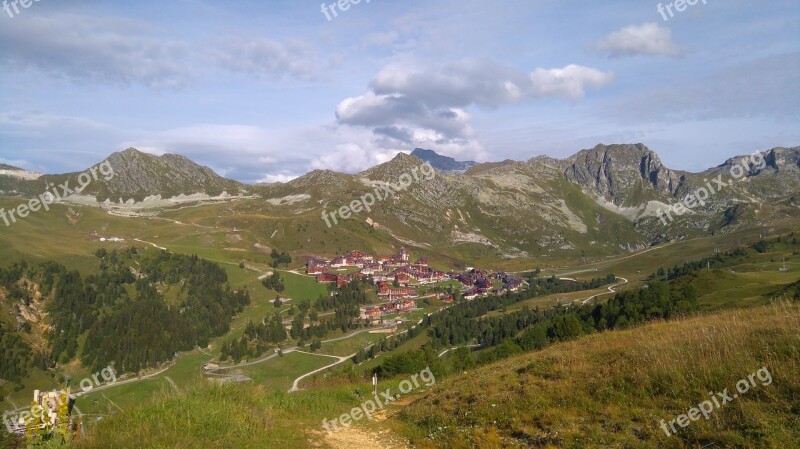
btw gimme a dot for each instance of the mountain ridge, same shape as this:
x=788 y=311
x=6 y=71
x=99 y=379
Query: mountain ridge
x=599 y=201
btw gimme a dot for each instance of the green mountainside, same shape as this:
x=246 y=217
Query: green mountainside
x=599 y=202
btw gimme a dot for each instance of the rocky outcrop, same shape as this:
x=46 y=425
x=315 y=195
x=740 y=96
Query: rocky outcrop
x=622 y=173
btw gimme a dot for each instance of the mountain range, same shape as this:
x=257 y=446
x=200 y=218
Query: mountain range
x=600 y=201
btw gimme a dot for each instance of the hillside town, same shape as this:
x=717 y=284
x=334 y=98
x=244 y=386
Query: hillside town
x=397 y=279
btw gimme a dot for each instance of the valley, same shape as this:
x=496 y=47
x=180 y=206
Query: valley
x=446 y=224
x=263 y=352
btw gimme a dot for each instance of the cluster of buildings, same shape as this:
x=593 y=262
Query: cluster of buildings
x=391 y=274
x=482 y=283
x=397 y=268
x=395 y=275
x=396 y=306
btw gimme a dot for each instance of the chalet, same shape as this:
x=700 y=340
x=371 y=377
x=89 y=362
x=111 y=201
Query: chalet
x=466 y=280
x=316 y=266
x=327 y=278
x=400 y=306
x=339 y=262
x=513 y=284
x=472 y=294
x=406 y=305
x=483 y=284
x=424 y=274
x=359 y=256
x=393 y=293
x=402 y=278
x=341 y=281
x=422 y=262
x=313 y=269
x=448 y=299
x=371 y=313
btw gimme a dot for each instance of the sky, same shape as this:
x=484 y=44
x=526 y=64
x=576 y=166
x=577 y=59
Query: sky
x=265 y=91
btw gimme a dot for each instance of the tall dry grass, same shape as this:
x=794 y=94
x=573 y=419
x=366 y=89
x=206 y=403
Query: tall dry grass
x=612 y=389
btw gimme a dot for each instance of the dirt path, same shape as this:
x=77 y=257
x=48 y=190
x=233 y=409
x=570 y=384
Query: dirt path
x=354 y=437
x=151 y=244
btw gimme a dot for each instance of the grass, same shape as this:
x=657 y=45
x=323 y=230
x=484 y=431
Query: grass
x=301 y=287
x=612 y=389
x=280 y=372
x=606 y=390
x=349 y=346
x=229 y=416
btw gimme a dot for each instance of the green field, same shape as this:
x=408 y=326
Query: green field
x=280 y=372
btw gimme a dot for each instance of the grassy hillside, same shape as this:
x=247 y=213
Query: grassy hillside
x=606 y=390
x=612 y=389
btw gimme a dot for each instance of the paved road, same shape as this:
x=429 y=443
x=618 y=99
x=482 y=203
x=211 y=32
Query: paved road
x=109 y=385
x=607 y=262
x=125 y=382
x=610 y=290
x=456 y=347
x=341 y=360
x=285 y=351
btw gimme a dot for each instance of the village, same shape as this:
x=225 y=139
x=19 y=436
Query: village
x=397 y=279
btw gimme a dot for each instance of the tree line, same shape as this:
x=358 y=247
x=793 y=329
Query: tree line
x=306 y=325
x=534 y=329
x=135 y=312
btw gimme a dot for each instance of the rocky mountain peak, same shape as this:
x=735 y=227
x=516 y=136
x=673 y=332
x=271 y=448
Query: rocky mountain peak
x=621 y=173
x=442 y=163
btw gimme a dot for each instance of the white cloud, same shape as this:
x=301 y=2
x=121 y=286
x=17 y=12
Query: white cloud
x=352 y=157
x=278 y=177
x=120 y=51
x=646 y=39
x=569 y=82
x=428 y=108
x=95 y=50
x=265 y=58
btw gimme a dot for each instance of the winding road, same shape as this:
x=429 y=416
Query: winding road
x=284 y=351
x=340 y=360
x=610 y=290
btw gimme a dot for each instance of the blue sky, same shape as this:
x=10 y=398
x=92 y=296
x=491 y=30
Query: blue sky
x=269 y=90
